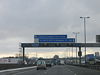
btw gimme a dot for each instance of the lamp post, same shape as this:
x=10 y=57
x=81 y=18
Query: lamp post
x=84 y=18
x=76 y=42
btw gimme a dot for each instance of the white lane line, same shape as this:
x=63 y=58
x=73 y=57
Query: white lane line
x=74 y=74
x=45 y=72
x=71 y=71
x=17 y=69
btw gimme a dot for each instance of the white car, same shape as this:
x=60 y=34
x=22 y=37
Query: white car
x=41 y=65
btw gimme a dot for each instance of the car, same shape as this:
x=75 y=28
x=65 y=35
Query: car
x=48 y=63
x=41 y=64
x=62 y=62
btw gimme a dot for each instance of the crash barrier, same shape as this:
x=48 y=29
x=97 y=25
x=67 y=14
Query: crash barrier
x=96 y=67
x=13 y=66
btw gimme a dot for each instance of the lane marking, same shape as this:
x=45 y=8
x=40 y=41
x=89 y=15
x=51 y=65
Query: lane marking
x=17 y=69
x=45 y=72
x=27 y=71
x=71 y=71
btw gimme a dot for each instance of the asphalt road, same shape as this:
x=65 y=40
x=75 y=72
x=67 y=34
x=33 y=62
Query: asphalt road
x=55 y=70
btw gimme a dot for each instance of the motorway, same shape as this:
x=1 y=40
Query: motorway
x=55 y=70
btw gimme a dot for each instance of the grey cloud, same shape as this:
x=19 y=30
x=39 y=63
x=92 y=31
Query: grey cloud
x=92 y=5
x=21 y=19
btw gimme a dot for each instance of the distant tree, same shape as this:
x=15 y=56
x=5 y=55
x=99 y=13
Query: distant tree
x=56 y=57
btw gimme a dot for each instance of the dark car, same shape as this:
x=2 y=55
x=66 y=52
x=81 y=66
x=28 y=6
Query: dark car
x=48 y=63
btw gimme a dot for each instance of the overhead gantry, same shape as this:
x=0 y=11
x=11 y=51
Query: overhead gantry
x=45 y=45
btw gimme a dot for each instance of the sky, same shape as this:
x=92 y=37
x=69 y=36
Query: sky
x=20 y=20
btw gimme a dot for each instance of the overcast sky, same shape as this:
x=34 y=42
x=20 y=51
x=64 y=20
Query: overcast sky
x=21 y=19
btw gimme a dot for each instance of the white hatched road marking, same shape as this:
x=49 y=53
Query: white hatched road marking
x=17 y=69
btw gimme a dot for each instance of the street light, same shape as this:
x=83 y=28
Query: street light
x=76 y=42
x=84 y=18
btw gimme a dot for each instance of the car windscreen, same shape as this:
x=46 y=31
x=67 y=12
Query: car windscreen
x=41 y=62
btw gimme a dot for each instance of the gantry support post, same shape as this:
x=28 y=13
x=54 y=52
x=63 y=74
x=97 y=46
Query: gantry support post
x=23 y=55
x=80 y=54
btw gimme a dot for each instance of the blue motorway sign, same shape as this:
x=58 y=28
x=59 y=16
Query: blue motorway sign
x=57 y=40
x=49 y=36
x=90 y=56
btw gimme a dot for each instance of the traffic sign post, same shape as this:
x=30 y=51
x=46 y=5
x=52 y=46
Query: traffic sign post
x=79 y=54
x=24 y=45
x=23 y=55
x=57 y=41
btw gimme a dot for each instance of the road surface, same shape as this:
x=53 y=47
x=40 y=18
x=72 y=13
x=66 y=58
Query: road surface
x=55 y=70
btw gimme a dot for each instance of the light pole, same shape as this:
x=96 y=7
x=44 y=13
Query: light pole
x=76 y=42
x=84 y=18
x=72 y=52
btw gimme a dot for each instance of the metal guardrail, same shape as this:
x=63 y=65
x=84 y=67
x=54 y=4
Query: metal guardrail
x=12 y=66
x=95 y=67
